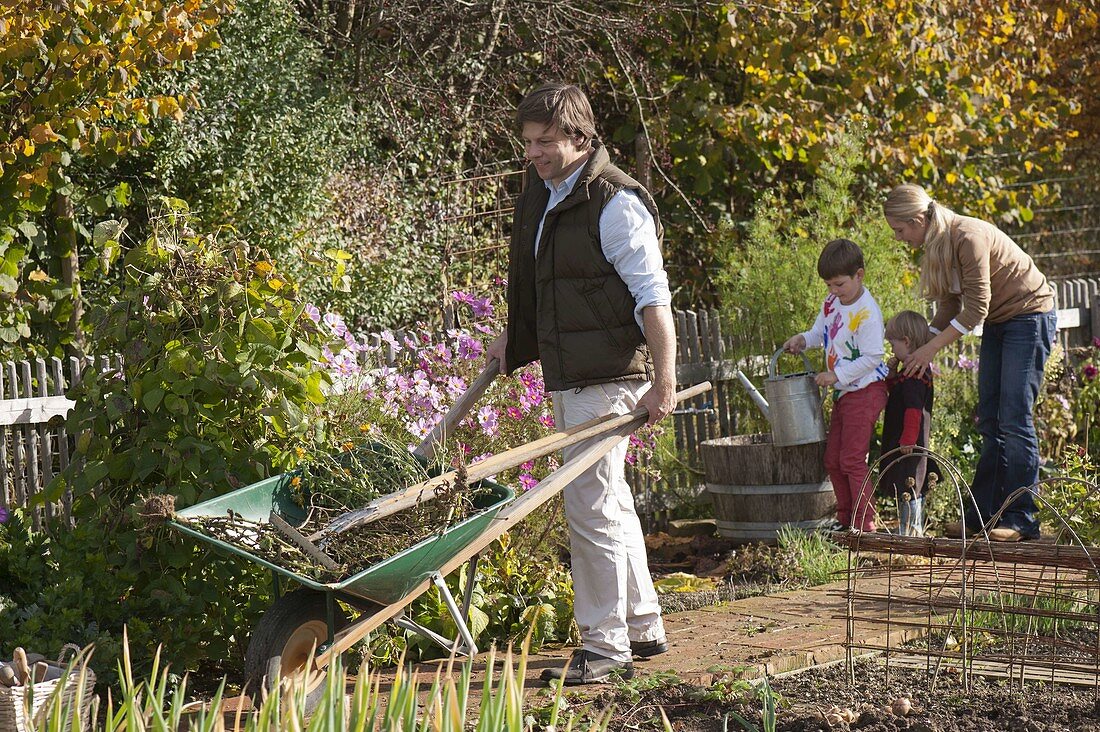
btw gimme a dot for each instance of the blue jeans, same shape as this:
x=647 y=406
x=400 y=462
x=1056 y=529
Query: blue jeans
x=1010 y=372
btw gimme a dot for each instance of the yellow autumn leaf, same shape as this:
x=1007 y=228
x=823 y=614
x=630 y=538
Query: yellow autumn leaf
x=38 y=276
x=930 y=118
x=843 y=42
x=951 y=178
x=263 y=268
x=28 y=148
x=274 y=284
x=1028 y=165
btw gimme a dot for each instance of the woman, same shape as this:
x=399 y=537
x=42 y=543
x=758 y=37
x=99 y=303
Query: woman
x=975 y=273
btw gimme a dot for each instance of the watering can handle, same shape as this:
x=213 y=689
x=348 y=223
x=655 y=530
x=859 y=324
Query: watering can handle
x=773 y=366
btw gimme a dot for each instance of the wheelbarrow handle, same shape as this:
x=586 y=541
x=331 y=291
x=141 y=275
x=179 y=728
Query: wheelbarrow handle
x=458 y=410
x=409 y=497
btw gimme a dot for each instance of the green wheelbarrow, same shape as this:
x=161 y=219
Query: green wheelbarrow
x=306 y=629
x=307 y=620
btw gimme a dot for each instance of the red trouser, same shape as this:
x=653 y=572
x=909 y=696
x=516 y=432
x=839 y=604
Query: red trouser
x=853 y=422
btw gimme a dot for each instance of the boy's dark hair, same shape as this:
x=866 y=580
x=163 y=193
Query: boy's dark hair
x=839 y=257
x=564 y=105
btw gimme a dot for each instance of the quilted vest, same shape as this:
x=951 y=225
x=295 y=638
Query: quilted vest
x=567 y=306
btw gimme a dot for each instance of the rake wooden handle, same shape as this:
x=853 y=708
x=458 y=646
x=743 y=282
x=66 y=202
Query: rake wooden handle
x=425 y=491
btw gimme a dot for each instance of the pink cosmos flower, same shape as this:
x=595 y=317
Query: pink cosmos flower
x=389 y=339
x=469 y=348
x=514 y=413
x=487 y=418
x=527 y=481
x=546 y=420
x=482 y=307
x=967 y=364
x=336 y=324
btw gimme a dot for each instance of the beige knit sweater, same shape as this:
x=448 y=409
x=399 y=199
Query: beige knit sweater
x=998 y=280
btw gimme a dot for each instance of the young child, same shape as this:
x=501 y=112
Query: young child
x=849 y=328
x=907 y=423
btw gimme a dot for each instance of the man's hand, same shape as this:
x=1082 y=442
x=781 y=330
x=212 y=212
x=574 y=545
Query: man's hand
x=826 y=378
x=497 y=350
x=659 y=400
x=796 y=344
x=906 y=449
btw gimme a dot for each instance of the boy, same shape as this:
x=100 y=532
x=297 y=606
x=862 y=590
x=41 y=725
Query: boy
x=907 y=423
x=849 y=327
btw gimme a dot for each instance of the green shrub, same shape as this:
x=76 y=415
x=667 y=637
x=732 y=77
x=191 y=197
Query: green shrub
x=213 y=393
x=272 y=126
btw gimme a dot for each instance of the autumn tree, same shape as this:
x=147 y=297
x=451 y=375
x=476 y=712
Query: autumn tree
x=69 y=79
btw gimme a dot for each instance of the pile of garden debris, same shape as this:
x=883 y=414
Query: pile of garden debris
x=332 y=485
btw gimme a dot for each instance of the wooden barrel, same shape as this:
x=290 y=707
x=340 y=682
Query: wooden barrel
x=757 y=486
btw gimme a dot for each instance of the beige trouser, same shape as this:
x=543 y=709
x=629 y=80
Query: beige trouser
x=614 y=600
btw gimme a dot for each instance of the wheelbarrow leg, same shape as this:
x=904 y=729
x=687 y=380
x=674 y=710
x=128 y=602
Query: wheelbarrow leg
x=460 y=618
x=467 y=647
x=468 y=595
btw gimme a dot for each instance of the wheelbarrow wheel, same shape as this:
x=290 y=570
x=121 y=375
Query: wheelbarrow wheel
x=285 y=640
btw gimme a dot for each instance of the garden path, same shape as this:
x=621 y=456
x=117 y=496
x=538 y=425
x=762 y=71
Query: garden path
x=775 y=633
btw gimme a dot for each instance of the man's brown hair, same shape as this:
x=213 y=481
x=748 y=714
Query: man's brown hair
x=564 y=105
x=839 y=257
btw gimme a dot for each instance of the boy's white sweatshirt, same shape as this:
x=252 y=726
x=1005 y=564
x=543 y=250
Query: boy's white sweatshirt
x=853 y=337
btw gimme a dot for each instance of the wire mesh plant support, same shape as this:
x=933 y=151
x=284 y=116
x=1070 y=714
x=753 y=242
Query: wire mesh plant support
x=1022 y=611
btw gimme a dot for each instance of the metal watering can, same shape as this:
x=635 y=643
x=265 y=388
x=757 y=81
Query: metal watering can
x=793 y=405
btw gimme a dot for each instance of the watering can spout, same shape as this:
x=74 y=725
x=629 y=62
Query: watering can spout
x=757 y=397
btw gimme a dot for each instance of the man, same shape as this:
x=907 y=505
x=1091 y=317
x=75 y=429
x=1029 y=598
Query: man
x=589 y=297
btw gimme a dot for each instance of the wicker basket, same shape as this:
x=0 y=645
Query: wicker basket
x=21 y=704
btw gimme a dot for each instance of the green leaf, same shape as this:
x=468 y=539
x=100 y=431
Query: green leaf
x=152 y=398
x=260 y=330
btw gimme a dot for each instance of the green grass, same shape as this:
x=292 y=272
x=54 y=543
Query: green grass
x=817 y=559
x=152 y=705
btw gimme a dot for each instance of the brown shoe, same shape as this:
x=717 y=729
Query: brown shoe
x=1002 y=533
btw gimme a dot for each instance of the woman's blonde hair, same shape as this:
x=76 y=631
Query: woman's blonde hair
x=905 y=203
x=911 y=325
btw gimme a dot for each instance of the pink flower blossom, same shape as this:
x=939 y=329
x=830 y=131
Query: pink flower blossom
x=1089 y=371
x=546 y=420
x=313 y=313
x=487 y=418
x=389 y=339
x=336 y=324
x=527 y=481
x=967 y=364
x=514 y=413
x=1096 y=341
x=469 y=348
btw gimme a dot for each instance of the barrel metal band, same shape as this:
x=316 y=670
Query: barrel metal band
x=823 y=486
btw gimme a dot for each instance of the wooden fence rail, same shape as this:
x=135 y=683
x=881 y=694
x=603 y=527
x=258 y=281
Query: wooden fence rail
x=34 y=445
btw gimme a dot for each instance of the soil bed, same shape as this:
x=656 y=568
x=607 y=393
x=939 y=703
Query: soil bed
x=990 y=704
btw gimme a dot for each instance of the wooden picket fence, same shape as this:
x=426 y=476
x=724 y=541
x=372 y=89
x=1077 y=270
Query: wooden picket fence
x=34 y=445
